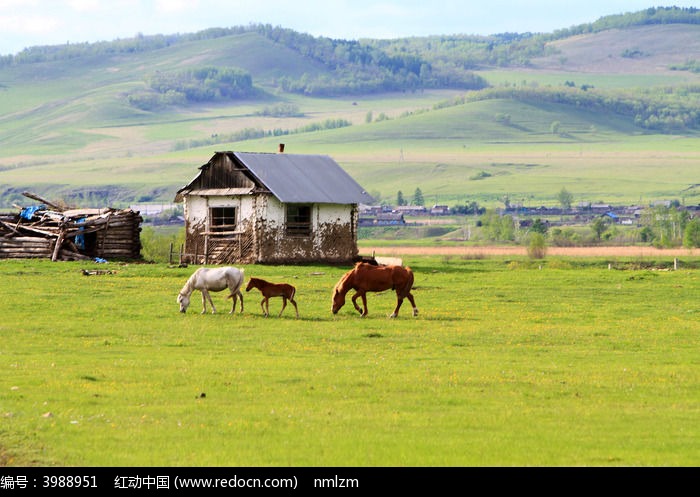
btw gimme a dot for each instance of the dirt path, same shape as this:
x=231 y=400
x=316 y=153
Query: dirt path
x=477 y=252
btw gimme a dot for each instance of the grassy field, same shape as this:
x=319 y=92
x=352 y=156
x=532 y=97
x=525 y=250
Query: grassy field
x=511 y=362
x=68 y=129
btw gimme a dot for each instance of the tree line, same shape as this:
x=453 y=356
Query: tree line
x=203 y=84
x=369 y=65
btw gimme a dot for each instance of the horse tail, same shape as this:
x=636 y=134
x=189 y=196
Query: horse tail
x=234 y=280
x=239 y=283
x=235 y=286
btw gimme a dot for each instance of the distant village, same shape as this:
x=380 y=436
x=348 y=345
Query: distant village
x=582 y=213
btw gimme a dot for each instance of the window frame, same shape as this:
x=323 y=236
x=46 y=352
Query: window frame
x=222 y=219
x=298 y=220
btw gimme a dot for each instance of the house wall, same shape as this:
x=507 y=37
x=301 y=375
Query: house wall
x=333 y=236
x=197 y=210
x=261 y=221
x=217 y=249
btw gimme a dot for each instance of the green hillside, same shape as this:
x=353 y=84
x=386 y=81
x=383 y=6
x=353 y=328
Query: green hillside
x=87 y=124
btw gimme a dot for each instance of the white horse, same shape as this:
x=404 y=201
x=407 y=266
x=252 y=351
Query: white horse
x=215 y=280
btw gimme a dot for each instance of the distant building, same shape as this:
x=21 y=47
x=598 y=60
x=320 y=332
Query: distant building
x=439 y=210
x=414 y=210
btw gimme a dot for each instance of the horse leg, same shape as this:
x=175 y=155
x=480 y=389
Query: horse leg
x=234 y=296
x=354 y=301
x=206 y=297
x=234 y=299
x=211 y=302
x=262 y=306
x=364 y=304
x=413 y=303
x=399 y=301
x=284 y=304
x=295 y=306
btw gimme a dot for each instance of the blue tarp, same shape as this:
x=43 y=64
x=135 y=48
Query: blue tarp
x=79 y=238
x=28 y=212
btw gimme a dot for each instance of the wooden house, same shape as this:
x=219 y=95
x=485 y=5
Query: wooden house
x=46 y=230
x=271 y=208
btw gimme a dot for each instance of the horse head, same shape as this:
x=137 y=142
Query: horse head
x=338 y=300
x=184 y=301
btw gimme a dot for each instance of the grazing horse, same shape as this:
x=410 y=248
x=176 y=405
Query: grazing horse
x=215 y=280
x=268 y=290
x=365 y=278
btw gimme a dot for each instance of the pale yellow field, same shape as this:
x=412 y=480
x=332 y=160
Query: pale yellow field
x=478 y=252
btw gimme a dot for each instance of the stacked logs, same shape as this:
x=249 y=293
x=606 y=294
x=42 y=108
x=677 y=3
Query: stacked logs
x=48 y=231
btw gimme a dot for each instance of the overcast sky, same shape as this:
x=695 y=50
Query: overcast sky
x=26 y=23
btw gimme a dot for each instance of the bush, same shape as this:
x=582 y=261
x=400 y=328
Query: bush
x=155 y=243
x=537 y=248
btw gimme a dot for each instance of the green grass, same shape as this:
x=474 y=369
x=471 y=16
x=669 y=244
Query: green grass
x=507 y=364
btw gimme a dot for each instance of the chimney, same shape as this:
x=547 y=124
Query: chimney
x=281 y=148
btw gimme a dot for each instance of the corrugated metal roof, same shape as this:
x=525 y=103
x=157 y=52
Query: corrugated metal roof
x=304 y=178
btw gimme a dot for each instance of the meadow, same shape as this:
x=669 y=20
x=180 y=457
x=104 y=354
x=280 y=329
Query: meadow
x=580 y=361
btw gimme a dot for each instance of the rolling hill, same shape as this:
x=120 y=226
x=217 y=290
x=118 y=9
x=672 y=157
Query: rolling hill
x=606 y=114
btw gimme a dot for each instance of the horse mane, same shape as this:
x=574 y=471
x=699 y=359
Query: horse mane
x=340 y=286
x=187 y=288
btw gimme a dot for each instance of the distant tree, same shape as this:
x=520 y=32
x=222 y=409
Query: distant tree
x=468 y=208
x=497 y=227
x=599 y=226
x=691 y=234
x=539 y=226
x=555 y=127
x=418 y=197
x=565 y=198
x=667 y=224
x=399 y=198
x=368 y=117
x=503 y=118
x=646 y=234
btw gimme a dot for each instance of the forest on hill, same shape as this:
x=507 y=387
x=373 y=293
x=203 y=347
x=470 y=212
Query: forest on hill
x=357 y=66
x=369 y=66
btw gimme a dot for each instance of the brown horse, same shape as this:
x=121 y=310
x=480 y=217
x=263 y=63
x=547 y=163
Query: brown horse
x=366 y=277
x=268 y=290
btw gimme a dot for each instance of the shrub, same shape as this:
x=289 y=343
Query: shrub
x=155 y=243
x=537 y=248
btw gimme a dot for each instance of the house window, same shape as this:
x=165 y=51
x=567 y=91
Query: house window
x=222 y=219
x=298 y=220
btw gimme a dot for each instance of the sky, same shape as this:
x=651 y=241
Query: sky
x=27 y=23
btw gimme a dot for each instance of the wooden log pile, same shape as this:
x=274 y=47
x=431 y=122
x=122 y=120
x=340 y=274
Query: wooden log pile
x=49 y=231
